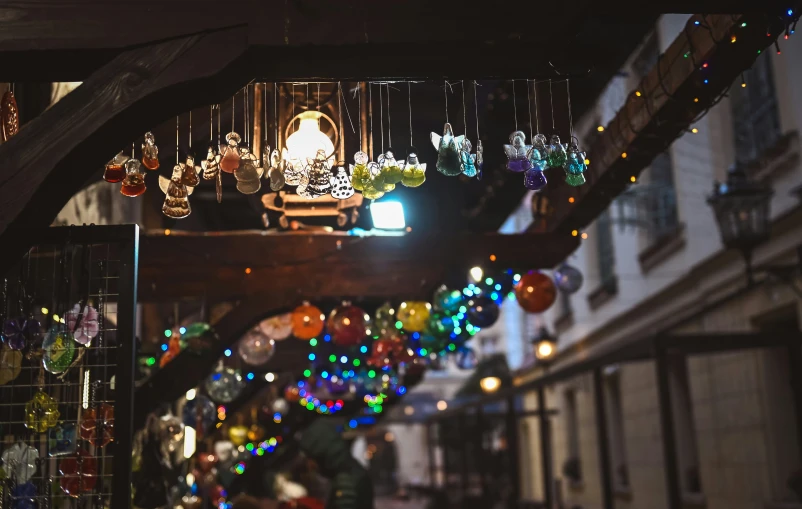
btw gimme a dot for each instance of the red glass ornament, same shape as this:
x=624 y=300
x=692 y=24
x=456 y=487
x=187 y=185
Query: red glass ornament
x=347 y=325
x=97 y=425
x=206 y=462
x=79 y=473
x=307 y=321
x=535 y=292
x=114 y=173
x=292 y=393
x=386 y=351
x=133 y=186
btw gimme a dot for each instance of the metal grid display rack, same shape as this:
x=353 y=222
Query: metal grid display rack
x=68 y=312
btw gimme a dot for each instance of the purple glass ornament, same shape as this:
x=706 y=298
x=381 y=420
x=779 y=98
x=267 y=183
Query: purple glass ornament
x=23 y=495
x=13 y=333
x=519 y=164
x=534 y=179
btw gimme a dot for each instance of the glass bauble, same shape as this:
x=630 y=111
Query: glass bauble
x=79 y=473
x=440 y=325
x=88 y=328
x=535 y=292
x=238 y=435
x=255 y=348
x=23 y=496
x=59 y=350
x=568 y=278
x=19 y=462
x=97 y=425
x=384 y=352
x=62 y=440
x=292 y=393
x=347 y=325
x=224 y=385
x=447 y=300
x=535 y=179
x=307 y=321
x=414 y=315
x=224 y=451
x=482 y=311
x=277 y=327
x=466 y=358
x=172 y=432
x=518 y=152
x=384 y=323
x=447 y=146
x=200 y=413
x=41 y=412
x=256 y=433
x=10 y=364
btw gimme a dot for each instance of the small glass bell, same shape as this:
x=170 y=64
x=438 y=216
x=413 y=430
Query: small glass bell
x=115 y=169
x=134 y=182
x=468 y=160
x=575 y=166
x=276 y=172
x=534 y=179
x=230 y=153
x=248 y=174
x=539 y=152
x=517 y=151
x=210 y=165
x=447 y=146
x=414 y=172
x=557 y=156
x=150 y=152
x=41 y=412
x=390 y=169
x=341 y=187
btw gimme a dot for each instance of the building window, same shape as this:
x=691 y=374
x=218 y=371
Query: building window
x=606 y=252
x=756 y=120
x=615 y=420
x=684 y=429
x=572 y=468
x=659 y=202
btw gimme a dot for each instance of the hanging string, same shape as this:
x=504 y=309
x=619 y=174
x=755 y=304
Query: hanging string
x=190 y=132
x=264 y=155
x=570 y=114
x=219 y=129
x=340 y=112
x=275 y=111
x=537 y=115
x=245 y=112
x=381 y=116
x=347 y=111
x=177 y=141
x=211 y=123
x=409 y=96
x=514 y=105
x=445 y=94
x=233 y=107
x=476 y=110
x=370 y=113
x=529 y=107
x=359 y=103
x=293 y=107
x=389 y=120
x=132 y=149
x=464 y=112
x=551 y=99
x=317 y=108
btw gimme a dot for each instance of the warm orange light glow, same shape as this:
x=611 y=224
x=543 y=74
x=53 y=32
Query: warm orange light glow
x=694 y=130
x=492 y=258
x=623 y=155
x=633 y=178
x=600 y=128
x=637 y=93
x=571 y=199
x=584 y=236
x=574 y=233
x=696 y=99
x=247 y=270
x=167 y=231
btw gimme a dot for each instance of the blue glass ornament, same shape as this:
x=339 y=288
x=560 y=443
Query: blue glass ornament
x=23 y=496
x=517 y=153
x=538 y=153
x=535 y=179
x=575 y=166
x=466 y=358
x=447 y=300
x=440 y=325
x=482 y=311
x=468 y=159
x=62 y=440
x=199 y=413
x=568 y=279
x=447 y=146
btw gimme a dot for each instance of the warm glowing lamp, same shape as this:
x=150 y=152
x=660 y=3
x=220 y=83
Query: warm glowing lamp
x=545 y=345
x=490 y=384
x=304 y=143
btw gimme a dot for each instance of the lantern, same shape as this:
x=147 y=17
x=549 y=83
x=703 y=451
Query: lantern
x=545 y=345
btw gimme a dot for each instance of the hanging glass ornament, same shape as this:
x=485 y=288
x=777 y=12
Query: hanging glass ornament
x=150 y=152
x=10 y=364
x=255 y=349
x=88 y=328
x=97 y=424
x=41 y=412
x=79 y=473
x=210 y=165
x=248 y=174
x=292 y=393
x=276 y=172
x=538 y=154
x=199 y=337
x=280 y=406
x=256 y=433
x=391 y=172
x=294 y=170
x=62 y=439
x=229 y=153
x=447 y=300
x=23 y=496
x=466 y=358
x=467 y=159
x=9 y=115
x=176 y=196
x=190 y=172
x=568 y=278
x=307 y=321
x=414 y=315
x=199 y=412
x=480 y=159
x=59 y=350
x=384 y=322
x=557 y=156
x=575 y=166
x=535 y=292
x=224 y=385
x=238 y=434
x=517 y=152
x=383 y=352
x=374 y=189
x=173 y=349
x=535 y=179
x=448 y=146
x=414 y=172
x=319 y=173
x=277 y=327
x=360 y=174
x=115 y=169
x=341 y=187
x=134 y=181
x=347 y=325
x=19 y=462
x=482 y=311
x=440 y=325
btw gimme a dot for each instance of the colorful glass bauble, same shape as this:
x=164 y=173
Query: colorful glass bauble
x=414 y=172
x=440 y=324
x=517 y=153
x=535 y=179
x=59 y=347
x=384 y=322
x=23 y=496
x=206 y=463
x=134 y=181
x=277 y=327
x=347 y=325
x=9 y=115
x=292 y=393
x=447 y=300
x=10 y=364
x=307 y=321
x=557 y=156
x=255 y=349
x=115 y=169
x=41 y=412
x=210 y=165
x=280 y=406
x=256 y=433
x=466 y=358
x=383 y=352
x=150 y=152
x=482 y=311
x=230 y=153
x=414 y=315
x=199 y=413
x=535 y=292
x=83 y=323
x=341 y=187
x=62 y=439
x=390 y=169
x=199 y=337
x=79 y=473
x=360 y=174
x=19 y=462
x=18 y=332
x=467 y=159
x=539 y=152
x=448 y=147
x=568 y=278
x=224 y=385
x=97 y=424
x=238 y=434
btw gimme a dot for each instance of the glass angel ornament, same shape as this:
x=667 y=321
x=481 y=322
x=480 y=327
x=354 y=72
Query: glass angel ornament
x=176 y=195
x=115 y=169
x=189 y=172
x=19 y=462
x=319 y=173
x=468 y=160
x=557 y=156
x=210 y=165
x=134 y=181
x=229 y=153
x=360 y=174
x=517 y=151
x=83 y=323
x=448 y=147
x=575 y=165
x=41 y=412
x=373 y=190
x=341 y=187
x=539 y=152
x=150 y=152
x=248 y=174
x=414 y=172
x=224 y=385
x=276 y=172
x=535 y=179
x=391 y=173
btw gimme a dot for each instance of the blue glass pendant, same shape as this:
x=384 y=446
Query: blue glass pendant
x=448 y=159
x=539 y=152
x=517 y=151
x=575 y=166
x=62 y=440
x=534 y=179
x=468 y=159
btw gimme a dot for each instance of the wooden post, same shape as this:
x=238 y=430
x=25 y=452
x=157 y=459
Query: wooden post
x=602 y=440
x=512 y=449
x=545 y=447
x=670 y=461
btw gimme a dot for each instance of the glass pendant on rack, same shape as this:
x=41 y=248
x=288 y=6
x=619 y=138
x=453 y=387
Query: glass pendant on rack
x=447 y=146
x=41 y=412
x=230 y=153
x=9 y=115
x=59 y=347
x=276 y=172
x=150 y=152
x=88 y=328
x=20 y=462
x=134 y=182
x=10 y=364
x=414 y=172
x=319 y=177
x=24 y=496
x=557 y=156
x=248 y=174
x=390 y=170
x=62 y=440
x=115 y=169
x=575 y=166
x=211 y=165
x=517 y=151
x=341 y=187
x=97 y=424
x=467 y=159
x=78 y=473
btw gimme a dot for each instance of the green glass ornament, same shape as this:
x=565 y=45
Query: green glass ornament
x=360 y=174
x=414 y=173
x=557 y=156
x=390 y=169
x=59 y=348
x=447 y=300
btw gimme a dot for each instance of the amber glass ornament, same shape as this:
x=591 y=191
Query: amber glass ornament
x=150 y=152
x=535 y=292
x=79 y=473
x=97 y=425
x=115 y=169
x=307 y=321
x=347 y=325
x=9 y=115
x=414 y=315
x=190 y=172
x=238 y=435
x=41 y=412
x=230 y=153
x=134 y=182
x=256 y=433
